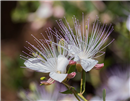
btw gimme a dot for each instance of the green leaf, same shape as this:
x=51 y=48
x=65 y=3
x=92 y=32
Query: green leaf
x=71 y=69
x=104 y=94
x=67 y=92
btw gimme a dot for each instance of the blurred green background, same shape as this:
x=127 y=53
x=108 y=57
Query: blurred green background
x=20 y=19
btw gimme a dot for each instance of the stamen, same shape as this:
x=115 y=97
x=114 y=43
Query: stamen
x=58 y=72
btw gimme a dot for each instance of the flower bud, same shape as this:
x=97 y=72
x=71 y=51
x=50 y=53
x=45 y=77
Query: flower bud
x=79 y=67
x=99 y=66
x=71 y=75
x=71 y=62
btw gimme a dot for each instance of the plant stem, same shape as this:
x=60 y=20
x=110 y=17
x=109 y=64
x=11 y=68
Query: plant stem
x=75 y=92
x=81 y=84
x=81 y=96
x=76 y=97
x=70 y=88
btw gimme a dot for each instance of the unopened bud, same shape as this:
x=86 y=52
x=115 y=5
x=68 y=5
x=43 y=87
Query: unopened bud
x=71 y=75
x=71 y=62
x=99 y=66
x=79 y=67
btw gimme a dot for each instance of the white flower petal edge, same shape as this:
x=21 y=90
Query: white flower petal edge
x=88 y=64
x=36 y=64
x=57 y=76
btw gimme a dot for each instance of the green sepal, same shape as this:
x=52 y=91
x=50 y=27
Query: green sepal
x=42 y=78
x=71 y=69
x=104 y=94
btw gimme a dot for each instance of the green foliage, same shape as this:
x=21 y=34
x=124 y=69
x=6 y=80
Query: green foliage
x=23 y=8
x=71 y=69
x=67 y=92
x=116 y=7
x=89 y=6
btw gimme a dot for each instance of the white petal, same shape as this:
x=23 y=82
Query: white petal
x=62 y=63
x=73 y=50
x=36 y=64
x=76 y=58
x=58 y=77
x=88 y=64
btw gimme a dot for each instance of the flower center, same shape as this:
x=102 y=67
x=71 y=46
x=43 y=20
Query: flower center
x=82 y=55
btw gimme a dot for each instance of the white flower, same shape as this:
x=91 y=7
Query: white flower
x=48 y=59
x=83 y=45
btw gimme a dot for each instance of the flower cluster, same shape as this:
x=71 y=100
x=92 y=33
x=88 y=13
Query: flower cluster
x=48 y=58
x=77 y=46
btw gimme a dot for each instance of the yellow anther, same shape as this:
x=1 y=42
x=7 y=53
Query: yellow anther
x=42 y=78
x=58 y=72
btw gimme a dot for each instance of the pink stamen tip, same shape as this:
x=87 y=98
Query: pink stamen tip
x=71 y=75
x=71 y=62
x=99 y=66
